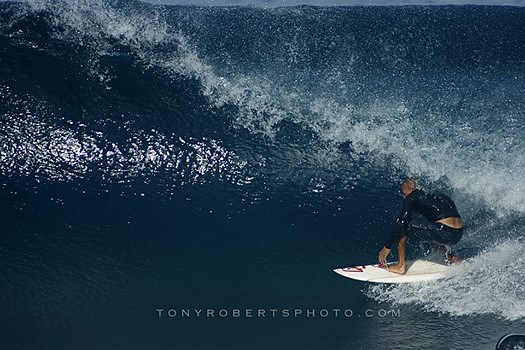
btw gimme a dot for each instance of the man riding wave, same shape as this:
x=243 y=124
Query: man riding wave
x=441 y=224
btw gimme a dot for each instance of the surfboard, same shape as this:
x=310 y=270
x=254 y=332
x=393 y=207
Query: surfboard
x=416 y=271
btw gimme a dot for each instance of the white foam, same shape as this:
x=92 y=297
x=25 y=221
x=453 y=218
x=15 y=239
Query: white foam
x=490 y=283
x=486 y=170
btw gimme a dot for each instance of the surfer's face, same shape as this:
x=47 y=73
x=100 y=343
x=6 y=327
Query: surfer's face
x=406 y=190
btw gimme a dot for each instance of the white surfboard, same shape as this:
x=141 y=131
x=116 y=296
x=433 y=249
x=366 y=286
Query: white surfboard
x=416 y=271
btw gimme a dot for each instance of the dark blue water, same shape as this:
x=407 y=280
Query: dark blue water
x=187 y=178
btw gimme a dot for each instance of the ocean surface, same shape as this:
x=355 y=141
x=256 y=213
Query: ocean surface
x=183 y=177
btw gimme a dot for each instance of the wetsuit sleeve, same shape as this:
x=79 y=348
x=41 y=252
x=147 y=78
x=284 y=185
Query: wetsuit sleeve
x=402 y=220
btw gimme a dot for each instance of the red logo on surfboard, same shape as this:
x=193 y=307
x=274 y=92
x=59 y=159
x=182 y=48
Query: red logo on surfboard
x=354 y=268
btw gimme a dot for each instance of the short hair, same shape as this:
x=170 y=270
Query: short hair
x=410 y=183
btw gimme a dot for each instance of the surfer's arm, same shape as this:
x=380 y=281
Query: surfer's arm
x=396 y=234
x=401 y=223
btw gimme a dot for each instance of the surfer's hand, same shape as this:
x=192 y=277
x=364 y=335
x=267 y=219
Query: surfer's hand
x=383 y=254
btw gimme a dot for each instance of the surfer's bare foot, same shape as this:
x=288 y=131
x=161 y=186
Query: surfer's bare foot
x=453 y=259
x=396 y=268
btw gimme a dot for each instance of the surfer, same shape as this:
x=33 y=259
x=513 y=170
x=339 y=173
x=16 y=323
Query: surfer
x=441 y=224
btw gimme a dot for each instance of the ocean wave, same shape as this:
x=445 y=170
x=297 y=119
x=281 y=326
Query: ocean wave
x=407 y=101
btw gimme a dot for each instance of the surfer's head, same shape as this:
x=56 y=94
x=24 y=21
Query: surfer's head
x=408 y=186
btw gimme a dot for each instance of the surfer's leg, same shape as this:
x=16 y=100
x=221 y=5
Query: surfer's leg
x=422 y=230
x=436 y=234
x=433 y=232
x=447 y=237
x=401 y=250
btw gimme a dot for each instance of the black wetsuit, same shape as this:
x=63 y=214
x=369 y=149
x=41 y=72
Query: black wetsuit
x=433 y=207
